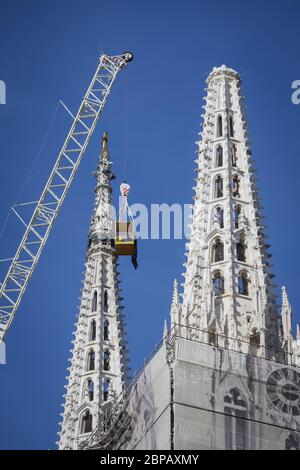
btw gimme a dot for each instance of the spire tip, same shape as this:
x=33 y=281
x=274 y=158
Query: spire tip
x=104 y=140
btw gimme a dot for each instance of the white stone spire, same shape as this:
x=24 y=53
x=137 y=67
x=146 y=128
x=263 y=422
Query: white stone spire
x=165 y=332
x=175 y=306
x=98 y=368
x=286 y=318
x=228 y=289
x=286 y=313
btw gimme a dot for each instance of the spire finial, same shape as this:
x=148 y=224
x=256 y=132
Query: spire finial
x=105 y=141
x=285 y=300
x=103 y=166
x=165 y=329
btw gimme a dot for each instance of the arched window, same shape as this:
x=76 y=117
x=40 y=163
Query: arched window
x=106 y=330
x=218 y=187
x=236 y=216
x=217 y=251
x=106 y=389
x=235 y=410
x=219 y=126
x=212 y=338
x=218 y=284
x=233 y=156
x=292 y=442
x=90 y=389
x=219 y=217
x=241 y=251
x=91 y=360
x=254 y=342
x=86 y=423
x=105 y=302
x=93 y=330
x=106 y=360
x=231 y=129
x=243 y=284
x=236 y=186
x=94 y=302
x=219 y=156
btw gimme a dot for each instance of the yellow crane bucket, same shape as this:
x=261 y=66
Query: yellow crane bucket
x=125 y=239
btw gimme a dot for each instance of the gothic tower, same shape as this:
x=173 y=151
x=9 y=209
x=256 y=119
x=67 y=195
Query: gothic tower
x=226 y=375
x=228 y=290
x=98 y=369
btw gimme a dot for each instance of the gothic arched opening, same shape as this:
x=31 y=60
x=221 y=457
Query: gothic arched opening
x=218 y=284
x=105 y=301
x=236 y=186
x=212 y=338
x=219 y=126
x=236 y=216
x=106 y=389
x=235 y=410
x=106 y=360
x=218 y=189
x=95 y=302
x=243 y=283
x=233 y=156
x=292 y=442
x=106 y=330
x=92 y=330
x=91 y=360
x=231 y=128
x=219 y=217
x=90 y=389
x=219 y=156
x=241 y=251
x=86 y=423
x=217 y=251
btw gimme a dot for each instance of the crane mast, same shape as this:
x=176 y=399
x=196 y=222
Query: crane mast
x=57 y=186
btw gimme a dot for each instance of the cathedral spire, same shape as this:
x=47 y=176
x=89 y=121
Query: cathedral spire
x=228 y=288
x=175 y=306
x=102 y=226
x=99 y=366
x=165 y=332
x=286 y=318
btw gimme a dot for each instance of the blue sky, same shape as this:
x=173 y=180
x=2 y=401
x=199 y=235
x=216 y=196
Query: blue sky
x=49 y=51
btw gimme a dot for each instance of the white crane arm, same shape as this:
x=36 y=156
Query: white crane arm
x=57 y=186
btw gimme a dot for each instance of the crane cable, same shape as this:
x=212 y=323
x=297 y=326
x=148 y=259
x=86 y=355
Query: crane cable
x=125 y=131
x=35 y=162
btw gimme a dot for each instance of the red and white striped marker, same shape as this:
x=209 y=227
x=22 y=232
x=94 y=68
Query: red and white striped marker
x=125 y=188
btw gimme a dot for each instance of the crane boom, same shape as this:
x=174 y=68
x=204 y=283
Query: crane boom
x=57 y=186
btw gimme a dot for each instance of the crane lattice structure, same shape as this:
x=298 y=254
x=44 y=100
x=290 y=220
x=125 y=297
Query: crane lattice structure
x=57 y=186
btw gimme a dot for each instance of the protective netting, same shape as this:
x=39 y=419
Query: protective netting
x=228 y=400
x=192 y=395
x=143 y=420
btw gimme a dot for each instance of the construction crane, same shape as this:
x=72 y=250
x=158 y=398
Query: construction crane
x=57 y=186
